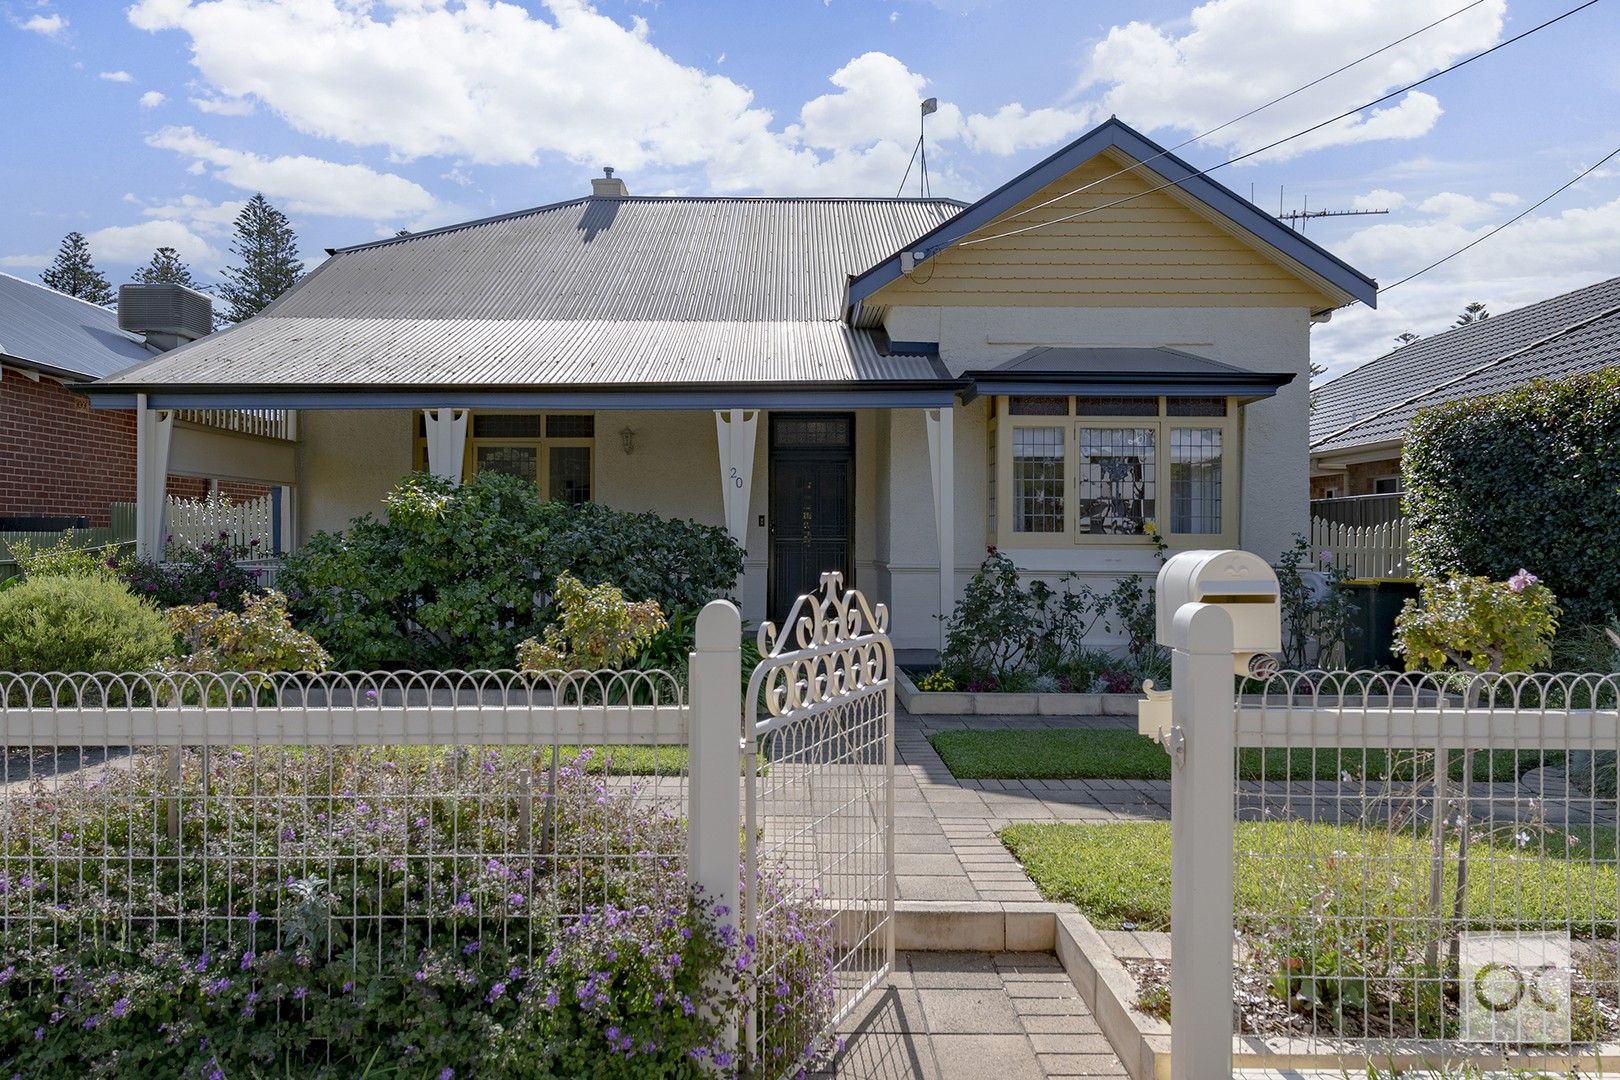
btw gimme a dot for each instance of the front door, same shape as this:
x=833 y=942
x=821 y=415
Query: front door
x=812 y=479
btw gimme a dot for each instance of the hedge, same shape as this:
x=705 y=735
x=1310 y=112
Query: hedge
x=1526 y=478
x=456 y=576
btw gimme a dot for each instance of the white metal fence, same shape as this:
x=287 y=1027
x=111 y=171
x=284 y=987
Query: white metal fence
x=820 y=816
x=1345 y=845
x=350 y=814
x=1373 y=552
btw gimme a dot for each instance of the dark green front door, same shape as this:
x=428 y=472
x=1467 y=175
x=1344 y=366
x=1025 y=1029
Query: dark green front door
x=812 y=480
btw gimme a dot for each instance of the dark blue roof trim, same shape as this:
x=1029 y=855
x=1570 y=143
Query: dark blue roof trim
x=1138 y=388
x=913 y=348
x=1117 y=134
x=786 y=397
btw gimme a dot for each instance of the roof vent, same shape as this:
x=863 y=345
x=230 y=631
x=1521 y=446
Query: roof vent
x=166 y=315
x=608 y=186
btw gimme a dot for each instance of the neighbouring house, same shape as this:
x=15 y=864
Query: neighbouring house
x=65 y=465
x=881 y=386
x=1359 y=419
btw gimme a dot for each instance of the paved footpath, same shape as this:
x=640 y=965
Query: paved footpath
x=974 y=1016
x=946 y=847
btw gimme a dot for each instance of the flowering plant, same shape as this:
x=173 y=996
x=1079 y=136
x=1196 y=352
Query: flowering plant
x=416 y=910
x=597 y=629
x=206 y=573
x=1476 y=624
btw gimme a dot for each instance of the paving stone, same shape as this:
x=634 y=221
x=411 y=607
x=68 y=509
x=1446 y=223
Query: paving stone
x=1053 y=1065
x=972 y=1057
x=971 y=1011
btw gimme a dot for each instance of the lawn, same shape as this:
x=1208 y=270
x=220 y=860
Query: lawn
x=1119 y=874
x=1121 y=754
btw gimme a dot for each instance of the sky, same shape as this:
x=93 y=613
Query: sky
x=150 y=123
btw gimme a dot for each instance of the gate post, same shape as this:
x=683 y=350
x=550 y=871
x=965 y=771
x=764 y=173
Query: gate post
x=714 y=761
x=1201 y=744
x=714 y=769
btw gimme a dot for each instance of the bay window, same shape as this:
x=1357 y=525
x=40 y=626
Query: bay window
x=1104 y=469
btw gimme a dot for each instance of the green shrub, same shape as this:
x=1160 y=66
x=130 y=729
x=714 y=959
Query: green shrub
x=1530 y=477
x=259 y=638
x=1476 y=624
x=457 y=576
x=79 y=624
x=65 y=558
x=598 y=629
x=205 y=573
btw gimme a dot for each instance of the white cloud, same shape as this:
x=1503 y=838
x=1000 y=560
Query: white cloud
x=304 y=184
x=47 y=25
x=1462 y=209
x=1224 y=59
x=116 y=76
x=135 y=243
x=486 y=82
x=1378 y=199
x=25 y=262
x=204 y=216
x=222 y=106
x=1541 y=256
x=152 y=99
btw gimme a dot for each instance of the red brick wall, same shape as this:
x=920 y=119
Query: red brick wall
x=60 y=458
x=57 y=456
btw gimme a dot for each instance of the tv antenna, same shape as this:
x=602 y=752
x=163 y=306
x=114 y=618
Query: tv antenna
x=1297 y=218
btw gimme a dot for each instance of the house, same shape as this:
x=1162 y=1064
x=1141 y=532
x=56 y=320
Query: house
x=65 y=465
x=880 y=386
x=1359 y=419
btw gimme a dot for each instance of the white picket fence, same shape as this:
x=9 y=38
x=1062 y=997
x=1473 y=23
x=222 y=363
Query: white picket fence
x=1368 y=552
x=248 y=524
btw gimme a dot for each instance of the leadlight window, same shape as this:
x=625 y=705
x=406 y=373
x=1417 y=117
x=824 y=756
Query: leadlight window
x=1195 y=480
x=1118 y=480
x=1103 y=469
x=1037 y=481
x=552 y=451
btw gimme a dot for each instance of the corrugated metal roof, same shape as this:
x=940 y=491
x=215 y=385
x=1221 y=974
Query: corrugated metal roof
x=528 y=352
x=592 y=291
x=43 y=328
x=1573 y=332
x=632 y=258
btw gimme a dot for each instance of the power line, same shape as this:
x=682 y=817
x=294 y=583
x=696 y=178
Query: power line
x=1287 y=138
x=1239 y=119
x=1538 y=204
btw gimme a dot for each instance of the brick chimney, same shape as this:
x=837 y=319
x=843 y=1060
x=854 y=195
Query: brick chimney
x=608 y=186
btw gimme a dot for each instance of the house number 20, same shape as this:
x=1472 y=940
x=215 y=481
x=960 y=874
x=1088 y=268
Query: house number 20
x=736 y=480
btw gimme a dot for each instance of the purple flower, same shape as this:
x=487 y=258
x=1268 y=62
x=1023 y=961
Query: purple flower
x=120 y=1008
x=247 y=960
x=494 y=992
x=300 y=993
x=253 y=917
x=446 y=1073
x=1522 y=580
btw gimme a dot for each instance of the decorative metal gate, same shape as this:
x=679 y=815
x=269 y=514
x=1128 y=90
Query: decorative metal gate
x=819 y=883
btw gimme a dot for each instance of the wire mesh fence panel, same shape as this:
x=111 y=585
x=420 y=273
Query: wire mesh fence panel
x=1427 y=861
x=352 y=819
x=819 y=822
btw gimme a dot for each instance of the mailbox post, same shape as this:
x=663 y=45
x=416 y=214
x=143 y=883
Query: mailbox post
x=1219 y=611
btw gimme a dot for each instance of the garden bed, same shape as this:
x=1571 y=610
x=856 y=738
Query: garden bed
x=963 y=703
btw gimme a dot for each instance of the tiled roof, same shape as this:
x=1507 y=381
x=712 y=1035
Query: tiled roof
x=1574 y=332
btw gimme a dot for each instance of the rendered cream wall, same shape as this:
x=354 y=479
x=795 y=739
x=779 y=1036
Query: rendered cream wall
x=1274 y=457
x=347 y=461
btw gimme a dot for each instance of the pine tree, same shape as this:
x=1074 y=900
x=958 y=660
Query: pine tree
x=1474 y=312
x=73 y=273
x=166 y=269
x=269 y=260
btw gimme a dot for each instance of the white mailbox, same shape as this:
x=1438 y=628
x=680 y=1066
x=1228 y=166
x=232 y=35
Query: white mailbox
x=1238 y=581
